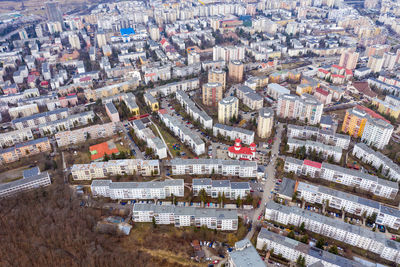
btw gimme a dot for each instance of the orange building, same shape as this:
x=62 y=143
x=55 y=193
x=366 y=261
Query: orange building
x=26 y=149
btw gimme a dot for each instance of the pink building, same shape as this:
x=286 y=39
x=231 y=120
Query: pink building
x=68 y=101
x=112 y=112
x=323 y=96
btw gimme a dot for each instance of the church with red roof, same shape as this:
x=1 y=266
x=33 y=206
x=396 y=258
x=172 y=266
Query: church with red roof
x=242 y=153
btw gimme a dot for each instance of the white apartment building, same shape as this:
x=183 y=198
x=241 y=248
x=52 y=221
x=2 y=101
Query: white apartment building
x=96 y=170
x=325 y=136
x=158 y=73
x=32 y=181
x=307 y=108
x=344 y=176
x=138 y=190
x=215 y=188
x=275 y=90
x=228 y=108
x=152 y=141
x=40 y=118
x=291 y=250
x=70 y=122
x=219 y=219
x=335 y=229
x=232 y=133
x=193 y=111
x=239 y=168
x=187 y=136
x=265 y=122
x=377 y=133
x=228 y=53
x=326 y=150
x=23 y=111
x=244 y=254
x=377 y=159
x=171 y=88
x=249 y=97
x=15 y=137
x=67 y=138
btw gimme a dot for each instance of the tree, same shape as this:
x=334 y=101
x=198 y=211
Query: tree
x=203 y=195
x=333 y=249
x=154 y=222
x=239 y=202
x=302 y=226
x=320 y=243
x=291 y=235
x=301 y=261
x=304 y=239
x=106 y=157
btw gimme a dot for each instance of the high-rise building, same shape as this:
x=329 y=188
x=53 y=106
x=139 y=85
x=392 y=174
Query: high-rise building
x=23 y=34
x=74 y=41
x=39 y=31
x=54 y=26
x=389 y=60
x=217 y=76
x=228 y=108
x=212 y=93
x=375 y=63
x=101 y=38
x=193 y=58
x=376 y=50
x=154 y=32
x=265 y=122
x=307 y=108
x=236 y=69
x=349 y=60
x=53 y=11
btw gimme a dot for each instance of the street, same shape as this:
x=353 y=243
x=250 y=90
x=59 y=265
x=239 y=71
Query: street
x=269 y=183
x=132 y=146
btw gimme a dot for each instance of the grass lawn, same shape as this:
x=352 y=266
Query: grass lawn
x=171 y=140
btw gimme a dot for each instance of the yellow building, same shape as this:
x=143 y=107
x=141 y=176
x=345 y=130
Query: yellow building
x=217 y=76
x=354 y=121
x=304 y=89
x=236 y=70
x=386 y=108
x=228 y=108
x=151 y=102
x=212 y=93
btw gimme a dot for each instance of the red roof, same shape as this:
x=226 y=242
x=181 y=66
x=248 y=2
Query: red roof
x=337 y=75
x=102 y=149
x=162 y=111
x=312 y=163
x=371 y=113
x=163 y=41
x=322 y=91
x=337 y=67
x=349 y=72
x=364 y=88
x=323 y=71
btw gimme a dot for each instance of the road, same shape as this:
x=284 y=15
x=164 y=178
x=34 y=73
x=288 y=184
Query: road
x=269 y=183
x=139 y=154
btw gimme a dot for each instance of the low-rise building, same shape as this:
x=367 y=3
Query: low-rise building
x=244 y=254
x=23 y=111
x=377 y=160
x=193 y=111
x=138 y=190
x=237 y=151
x=32 y=179
x=15 y=137
x=25 y=149
x=152 y=141
x=220 y=188
x=219 y=219
x=325 y=136
x=232 y=133
x=275 y=90
x=171 y=88
x=335 y=229
x=291 y=250
x=67 y=138
x=72 y=121
x=186 y=135
x=239 y=168
x=327 y=151
x=40 y=118
x=151 y=101
x=249 y=97
x=112 y=112
x=386 y=108
x=96 y=170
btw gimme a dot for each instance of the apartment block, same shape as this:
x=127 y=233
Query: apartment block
x=335 y=229
x=376 y=159
x=244 y=254
x=232 y=133
x=138 y=190
x=151 y=101
x=152 y=141
x=291 y=250
x=265 y=122
x=216 y=188
x=325 y=136
x=190 y=108
x=31 y=180
x=15 y=137
x=386 y=107
x=219 y=219
x=344 y=176
x=171 y=88
x=239 y=168
x=212 y=93
x=67 y=138
x=96 y=170
x=349 y=60
x=40 y=118
x=23 y=111
x=25 y=149
x=217 y=76
x=307 y=108
x=186 y=135
x=228 y=53
x=326 y=150
x=249 y=97
x=236 y=71
x=72 y=121
x=275 y=90
x=228 y=108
